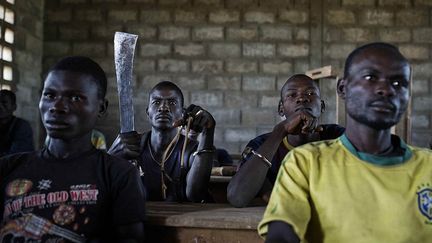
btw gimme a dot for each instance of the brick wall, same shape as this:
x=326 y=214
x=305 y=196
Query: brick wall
x=28 y=60
x=407 y=24
x=232 y=56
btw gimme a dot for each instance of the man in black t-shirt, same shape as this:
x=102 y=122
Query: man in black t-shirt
x=70 y=191
x=301 y=105
x=182 y=174
x=17 y=135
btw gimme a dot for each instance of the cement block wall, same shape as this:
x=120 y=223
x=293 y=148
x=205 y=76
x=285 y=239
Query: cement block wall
x=232 y=56
x=28 y=59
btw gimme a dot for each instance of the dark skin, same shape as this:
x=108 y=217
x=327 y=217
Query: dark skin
x=70 y=107
x=301 y=105
x=382 y=79
x=376 y=93
x=165 y=113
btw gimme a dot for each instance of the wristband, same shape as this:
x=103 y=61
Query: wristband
x=203 y=151
x=268 y=163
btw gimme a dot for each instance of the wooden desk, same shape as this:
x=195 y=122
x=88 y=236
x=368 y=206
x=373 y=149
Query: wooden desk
x=199 y=223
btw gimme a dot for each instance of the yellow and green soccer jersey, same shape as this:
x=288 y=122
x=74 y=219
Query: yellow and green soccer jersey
x=328 y=192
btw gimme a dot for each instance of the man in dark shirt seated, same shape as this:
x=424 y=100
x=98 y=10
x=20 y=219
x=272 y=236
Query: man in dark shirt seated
x=16 y=133
x=174 y=168
x=70 y=191
x=301 y=105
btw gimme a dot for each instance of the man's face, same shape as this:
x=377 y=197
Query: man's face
x=165 y=107
x=377 y=88
x=301 y=95
x=7 y=107
x=69 y=104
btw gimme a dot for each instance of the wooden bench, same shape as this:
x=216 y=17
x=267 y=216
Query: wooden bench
x=199 y=223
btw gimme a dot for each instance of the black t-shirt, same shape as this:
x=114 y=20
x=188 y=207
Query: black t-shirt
x=176 y=177
x=45 y=199
x=16 y=137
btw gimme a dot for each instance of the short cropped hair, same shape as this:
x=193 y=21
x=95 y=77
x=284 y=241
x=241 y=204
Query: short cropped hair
x=11 y=95
x=293 y=77
x=84 y=65
x=377 y=45
x=169 y=85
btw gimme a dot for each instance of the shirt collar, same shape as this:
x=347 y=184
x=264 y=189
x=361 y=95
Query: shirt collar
x=380 y=160
x=287 y=144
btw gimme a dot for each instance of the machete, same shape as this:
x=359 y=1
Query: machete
x=124 y=48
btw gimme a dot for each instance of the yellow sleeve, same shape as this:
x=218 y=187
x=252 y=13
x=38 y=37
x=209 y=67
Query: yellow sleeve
x=289 y=201
x=98 y=140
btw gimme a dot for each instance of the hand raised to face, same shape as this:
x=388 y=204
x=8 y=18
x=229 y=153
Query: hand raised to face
x=300 y=122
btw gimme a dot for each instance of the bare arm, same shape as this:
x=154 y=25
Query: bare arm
x=198 y=177
x=281 y=232
x=250 y=178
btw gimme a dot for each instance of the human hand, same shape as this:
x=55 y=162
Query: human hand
x=201 y=119
x=126 y=145
x=301 y=122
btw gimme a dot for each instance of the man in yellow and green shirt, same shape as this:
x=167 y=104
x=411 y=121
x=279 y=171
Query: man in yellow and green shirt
x=367 y=185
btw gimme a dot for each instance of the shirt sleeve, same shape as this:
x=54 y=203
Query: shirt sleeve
x=22 y=140
x=289 y=201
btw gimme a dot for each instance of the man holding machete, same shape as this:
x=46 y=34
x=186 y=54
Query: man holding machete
x=174 y=168
x=170 y=169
